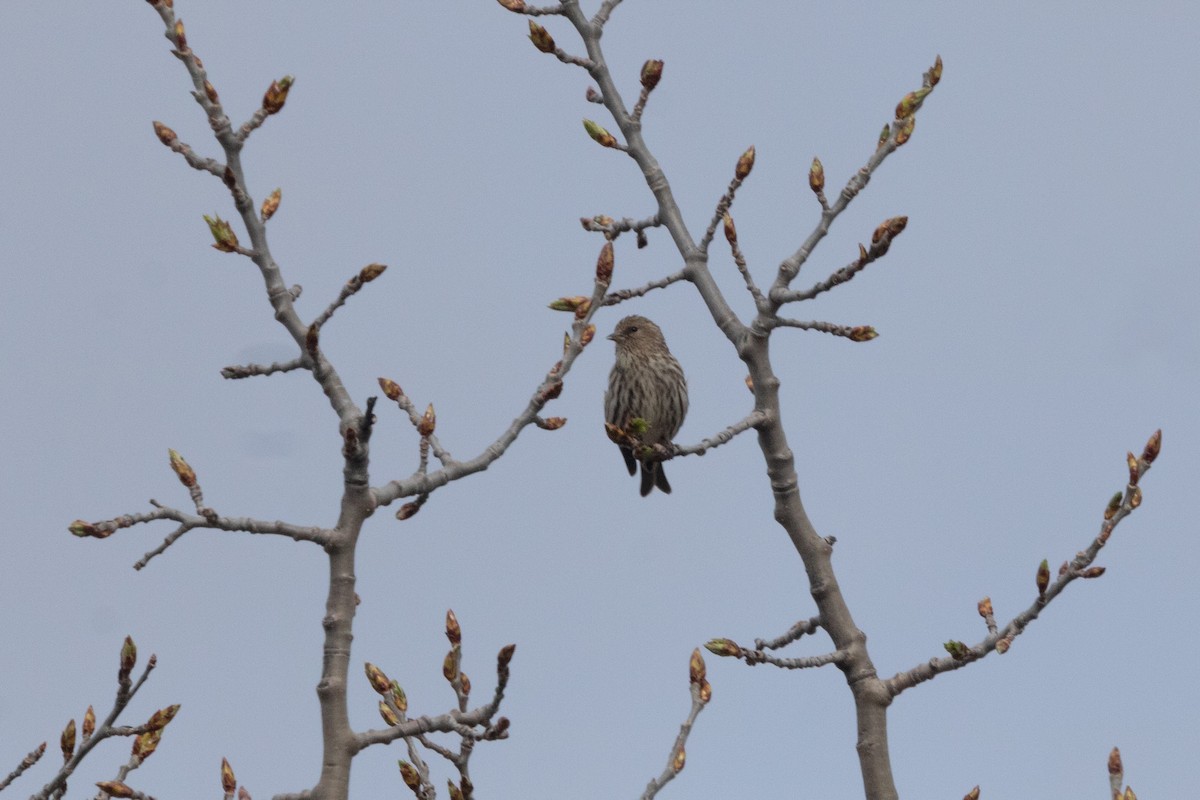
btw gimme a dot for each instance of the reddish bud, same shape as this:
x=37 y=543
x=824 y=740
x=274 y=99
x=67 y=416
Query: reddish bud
x=271 y=204
x=1114 y=505
x=696 y=668
x=1132 y=462
x=67 y=741
x=1135 y=497
x=228 y=781
x=1043 y=577
x=883 y=136
x=162 y=718
x=1003 y=644
x=312 y=340
x=453 y=790
x=391 y=389
x=909 y=104
x=745 y=163
x=453 y=629
x=378 y=680
x=407 y=511
x=651 y=74
x=985 y=607
x=505 y=656
x=89 y=723
x=604 y=264
x=464 y=683
x=906 y=131
x=568 y=303
x=863 y=333
x=589 y=333
x=816 y=176
x=145 y=744
x=1092 y=572
x=164 y=134
x=730 y=230
x=972 y=795
x=370 y=272
x=211 y=92
x=115 y=789
x=409 y=774
x=428 y=422
x=276 y=94
x=935 y=73
x=180 y=37
x=679 y=760
x=541 y=37
x=513 y=5
x=551 y=423
x=1153 y=446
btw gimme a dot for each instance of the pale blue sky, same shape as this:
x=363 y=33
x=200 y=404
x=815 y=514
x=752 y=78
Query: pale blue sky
x=1037 y=319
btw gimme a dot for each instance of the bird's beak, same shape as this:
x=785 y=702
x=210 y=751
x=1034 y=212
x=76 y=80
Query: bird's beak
x=612 y=337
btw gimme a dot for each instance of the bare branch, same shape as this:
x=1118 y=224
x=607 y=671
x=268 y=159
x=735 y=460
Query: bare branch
x=701 y=693
x=726 y=201
x=855 y=333
x=801 y=628
x=237 y=371
x=352 y=287
x=606 y=9
x=739 y=260
x=1000 y=640
x=621 y=295
x=26 y=763
x=752 y=420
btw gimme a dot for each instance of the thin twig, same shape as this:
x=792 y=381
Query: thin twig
x=237 y=371
x=1077 y=567
x=802 y=628
x=621 y=295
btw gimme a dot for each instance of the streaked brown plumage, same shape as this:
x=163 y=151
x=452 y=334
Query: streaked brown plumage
x=647 y=383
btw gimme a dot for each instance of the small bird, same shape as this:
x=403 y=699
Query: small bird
x=646 y=383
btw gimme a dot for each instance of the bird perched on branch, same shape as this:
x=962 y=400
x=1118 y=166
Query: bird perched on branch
x=646 y=399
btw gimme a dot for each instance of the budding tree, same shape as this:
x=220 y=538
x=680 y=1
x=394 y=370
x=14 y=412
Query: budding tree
x=757 y=314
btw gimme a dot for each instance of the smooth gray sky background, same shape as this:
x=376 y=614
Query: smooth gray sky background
x=1037 y=319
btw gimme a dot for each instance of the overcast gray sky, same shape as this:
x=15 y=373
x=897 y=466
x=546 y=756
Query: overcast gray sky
x=1037 y=320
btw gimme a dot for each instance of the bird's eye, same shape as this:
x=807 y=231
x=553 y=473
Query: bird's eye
x=631 y=329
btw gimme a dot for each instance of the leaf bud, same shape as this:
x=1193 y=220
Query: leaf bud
x=679 y=760
x=271 y=204
x=464 y=683
x=128 y=657
x=370 y=272
x=276 y=94
x=162 y=718
x=428 y=422
x=696 y=668
x=1153 y=446
x=145 y=744
x=399 y=698
x=391 y=389
x=1043 y=577
x=816 y=176
x=972 y=795
x=957 y=650
x=451 y=662
x=541 y=37
x=906 y=130
x=598 y=133
x=409 y=774
x=985 y=607
x=730 y=230
x=67 y=741
x=505 y=656
x=1132 y=462
x=935 y=72
x=187 y=476
x=723 y=647
x=407 y=511
x=1092 y=572
x=378 y=680
x=513 y=5
x=228 y=781
x=568 y=303
x=210 y=92
x=453 y=629
x=164 y=134
x=588 y=334
x=180 y=37
x=225 y=239
x=1114 y=505
x=389 y=716
x=909 y=104
x=1135 y=497
x=89 y=723
x=863 y=333
x=651 y=74
x=115 y=788
x=604 y=264
x=883 y=136
x=745 y=163
x=453 y=790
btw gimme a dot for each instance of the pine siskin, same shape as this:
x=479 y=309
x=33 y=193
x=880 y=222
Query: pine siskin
x=646 y=383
